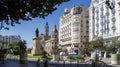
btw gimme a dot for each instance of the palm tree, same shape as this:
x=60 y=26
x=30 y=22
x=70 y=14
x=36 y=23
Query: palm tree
x=55 y=51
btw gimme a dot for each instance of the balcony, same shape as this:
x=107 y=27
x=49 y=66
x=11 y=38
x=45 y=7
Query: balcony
x=113 y=19
x=97 y=32
x=101 y=30
x=102 y=23
x=107 y=13
x=97 y=11
x=97 y=24
x=97 y=18
x=102 y=8
x=113 y=11
x=101 y=15
x=107 y=21
x=113 y=28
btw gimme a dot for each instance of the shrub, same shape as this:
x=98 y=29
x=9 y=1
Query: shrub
x=80 y=58
x=70 y=58
x=38 y=62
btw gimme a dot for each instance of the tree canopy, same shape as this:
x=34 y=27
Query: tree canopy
x=98 y=43
x=18 y=47
x=109 y=4
x=114 y=46
x=11 y=11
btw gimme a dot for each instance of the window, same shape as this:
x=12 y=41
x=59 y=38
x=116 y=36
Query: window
x=113 y=19
x=87 y=31
x=87 y=16
x=87 y=22
x=75 y=24
x=81 y=21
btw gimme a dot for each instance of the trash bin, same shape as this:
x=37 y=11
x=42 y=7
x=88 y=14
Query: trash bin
x=115 y=59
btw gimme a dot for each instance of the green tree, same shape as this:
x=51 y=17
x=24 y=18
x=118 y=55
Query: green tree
x=86 y=50
x=44 y=54
x=11 y=11
x=15 y=48
x=18 y=47
x=23 y=52
x=55 y=51
x=114 y=46
x=98 y=43
x=29 y=50
x=22 y=46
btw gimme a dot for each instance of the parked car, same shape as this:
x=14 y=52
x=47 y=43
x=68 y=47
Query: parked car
x=74 y=55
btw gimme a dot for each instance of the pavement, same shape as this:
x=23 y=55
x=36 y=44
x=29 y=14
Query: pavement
x=106 y=60
x=32 y=63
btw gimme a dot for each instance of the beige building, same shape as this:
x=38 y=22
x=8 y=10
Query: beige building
x=52 y=41
x=45 y=41
x=74 y=28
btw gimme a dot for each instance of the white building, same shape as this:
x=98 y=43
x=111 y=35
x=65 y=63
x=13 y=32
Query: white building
x=74 y=28
x=104 y=21
x=6 y=40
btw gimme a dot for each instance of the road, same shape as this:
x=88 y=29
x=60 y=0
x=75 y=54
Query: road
x=32 y=63
x=15 y=63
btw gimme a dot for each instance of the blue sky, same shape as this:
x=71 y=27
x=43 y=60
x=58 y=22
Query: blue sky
x=27 y=28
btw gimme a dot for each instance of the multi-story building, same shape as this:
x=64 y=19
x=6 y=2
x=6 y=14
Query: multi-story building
x=9 y=39
x=74 y=28
x=104 y=21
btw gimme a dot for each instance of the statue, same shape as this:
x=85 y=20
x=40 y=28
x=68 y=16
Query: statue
x=37 y=32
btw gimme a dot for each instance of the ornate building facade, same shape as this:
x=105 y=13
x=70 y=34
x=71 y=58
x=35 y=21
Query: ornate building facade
x=74 y=28
x=45 y=41
x=104 y=21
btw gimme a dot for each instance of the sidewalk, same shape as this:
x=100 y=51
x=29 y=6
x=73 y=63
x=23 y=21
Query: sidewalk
x=106 y=60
